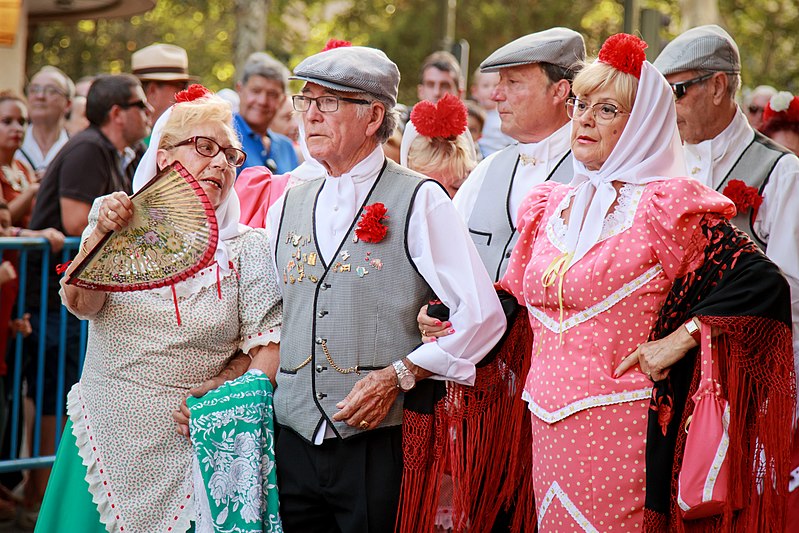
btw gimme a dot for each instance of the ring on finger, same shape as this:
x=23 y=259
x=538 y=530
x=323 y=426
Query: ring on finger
x=364 y=425
x=424 y=332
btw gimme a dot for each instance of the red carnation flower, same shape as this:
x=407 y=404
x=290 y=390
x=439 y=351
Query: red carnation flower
x=624 y=52
x=743 y=196
x=447 y=118
x=370 y=228
x=194 y=92
x=335 y=43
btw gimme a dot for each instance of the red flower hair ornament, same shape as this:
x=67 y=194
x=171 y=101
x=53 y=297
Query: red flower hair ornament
x=335 y=43
x=624 y=52
x=370 y=227
x=782 y=105
x=193 y=92
x=447 y=118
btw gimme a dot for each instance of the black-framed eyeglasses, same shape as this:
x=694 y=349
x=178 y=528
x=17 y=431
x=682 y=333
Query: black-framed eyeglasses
x=325 y=104
x=680 y=87
x=141 y=104
x=755 y=109
x=209 y=148
x=47 y=90
x=603 y=112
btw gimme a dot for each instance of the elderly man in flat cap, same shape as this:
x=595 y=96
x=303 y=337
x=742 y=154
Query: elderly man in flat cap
x=722 y=150
x=359 y=251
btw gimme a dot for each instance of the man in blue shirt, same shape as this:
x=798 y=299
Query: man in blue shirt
x=262 y=91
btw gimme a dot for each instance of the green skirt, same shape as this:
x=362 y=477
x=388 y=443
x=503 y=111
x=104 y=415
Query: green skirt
x=67 y=505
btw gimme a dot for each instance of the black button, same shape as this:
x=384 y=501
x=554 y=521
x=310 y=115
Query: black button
x=320 y=368
x=321 y=395
x=507 y=255
x=321 y=314
x=325 y=286
x=318 y=340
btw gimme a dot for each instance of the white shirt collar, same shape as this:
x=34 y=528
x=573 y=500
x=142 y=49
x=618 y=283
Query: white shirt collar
x=711 y=160
x=367 y=168
x=547 y=151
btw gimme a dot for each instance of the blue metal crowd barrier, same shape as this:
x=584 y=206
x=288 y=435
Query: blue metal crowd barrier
x=12 y=460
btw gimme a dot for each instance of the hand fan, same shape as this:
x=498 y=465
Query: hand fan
x=173 y=234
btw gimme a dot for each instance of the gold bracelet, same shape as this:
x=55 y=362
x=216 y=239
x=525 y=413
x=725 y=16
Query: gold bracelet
x=83 y=246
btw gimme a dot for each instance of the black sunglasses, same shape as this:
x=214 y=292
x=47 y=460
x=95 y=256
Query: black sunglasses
x=680 y=87
x=141 y=104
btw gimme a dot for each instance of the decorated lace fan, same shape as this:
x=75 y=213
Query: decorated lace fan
x=173 y=235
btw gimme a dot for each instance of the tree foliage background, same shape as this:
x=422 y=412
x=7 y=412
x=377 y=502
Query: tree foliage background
x=407 y=30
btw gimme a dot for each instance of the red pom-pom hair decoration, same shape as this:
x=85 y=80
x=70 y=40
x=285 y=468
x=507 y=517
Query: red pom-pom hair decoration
x=447 y=118
x=624 y=52
x=335 y=43
x=193 y=92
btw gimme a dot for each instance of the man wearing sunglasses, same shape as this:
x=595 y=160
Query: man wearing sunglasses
x=703 y=67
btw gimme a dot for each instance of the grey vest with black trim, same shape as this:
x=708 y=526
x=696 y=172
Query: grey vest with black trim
x=754 y=167
x=362 y=306
x=493 y=230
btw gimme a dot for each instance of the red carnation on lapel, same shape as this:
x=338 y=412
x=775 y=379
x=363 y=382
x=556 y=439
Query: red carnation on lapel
x=194 y=92
x=624 y=52
x=743 y=196
x=447 y=118
x=370 y=228
x=335 y=43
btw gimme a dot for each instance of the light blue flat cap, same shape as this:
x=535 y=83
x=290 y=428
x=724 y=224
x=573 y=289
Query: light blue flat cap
x=352 y=69
x=707 y=48
x=559 y=46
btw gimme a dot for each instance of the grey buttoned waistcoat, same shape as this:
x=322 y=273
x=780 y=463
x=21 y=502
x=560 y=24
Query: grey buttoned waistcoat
x=361 y=306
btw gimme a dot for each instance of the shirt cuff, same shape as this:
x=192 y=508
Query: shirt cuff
x=443 y=365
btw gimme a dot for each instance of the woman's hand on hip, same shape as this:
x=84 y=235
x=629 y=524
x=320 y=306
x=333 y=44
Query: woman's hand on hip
x=655 y=358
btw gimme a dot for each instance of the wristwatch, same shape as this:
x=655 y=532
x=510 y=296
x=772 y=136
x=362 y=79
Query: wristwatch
x=693 y=331
x=405 y=379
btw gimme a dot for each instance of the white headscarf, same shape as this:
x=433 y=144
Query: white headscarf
x=227 y=214
x=649 y=149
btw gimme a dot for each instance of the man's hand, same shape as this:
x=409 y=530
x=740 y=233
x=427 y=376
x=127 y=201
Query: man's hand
x=370 y=399
x=236 y=367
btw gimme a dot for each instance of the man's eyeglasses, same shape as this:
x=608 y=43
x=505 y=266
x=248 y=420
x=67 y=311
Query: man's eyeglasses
x=141 y=104
x=603 y=112
x=209 y=148
x=325 y=104
x=47 y=90
x=680 y=87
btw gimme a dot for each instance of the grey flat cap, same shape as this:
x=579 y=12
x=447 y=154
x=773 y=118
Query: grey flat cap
x=352 y=69
x=559 y=46
x=702 y=48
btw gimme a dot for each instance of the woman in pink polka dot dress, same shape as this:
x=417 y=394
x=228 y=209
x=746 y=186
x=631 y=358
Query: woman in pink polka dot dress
x=594 y=264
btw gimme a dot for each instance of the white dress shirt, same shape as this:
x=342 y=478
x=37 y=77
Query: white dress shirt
x=777 y=219
x=35 y=157
x=442 y=251
x=538 y=161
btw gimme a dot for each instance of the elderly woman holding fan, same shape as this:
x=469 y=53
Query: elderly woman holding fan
x=121 y=465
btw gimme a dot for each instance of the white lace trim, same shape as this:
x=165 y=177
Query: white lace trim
x=598 y=308
x=100 y=485
x=556 y=492
x=618 y=221
x=202 y=280
x=550 y=417
x=262 y=338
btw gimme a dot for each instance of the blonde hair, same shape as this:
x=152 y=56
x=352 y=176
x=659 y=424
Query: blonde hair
x=453 y=157
x=596 y=75
x=186 y=116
